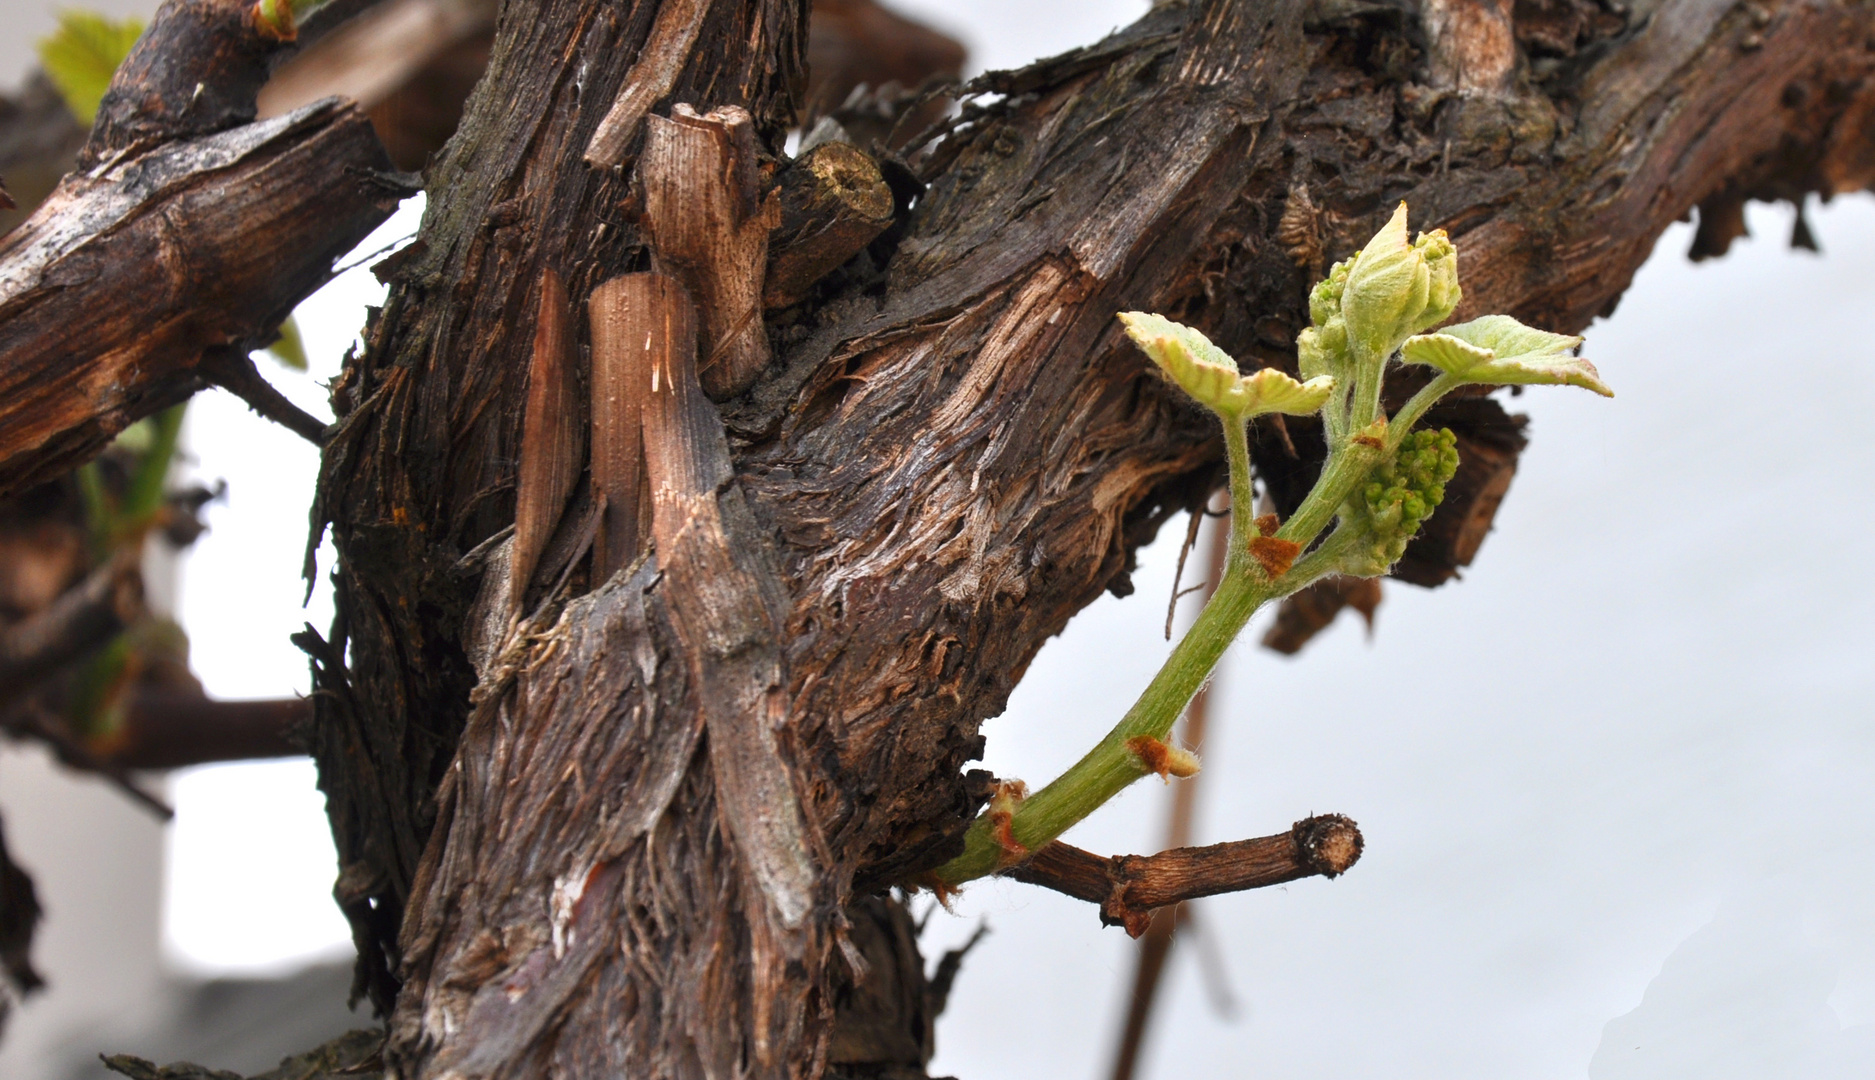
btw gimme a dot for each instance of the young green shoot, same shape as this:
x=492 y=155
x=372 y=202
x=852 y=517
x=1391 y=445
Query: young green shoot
x=1380 y=481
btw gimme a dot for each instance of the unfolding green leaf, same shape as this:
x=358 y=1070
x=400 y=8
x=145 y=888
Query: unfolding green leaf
x=1499 y=350
x=1273 y=391
x=83 y=54
x=1210 y=375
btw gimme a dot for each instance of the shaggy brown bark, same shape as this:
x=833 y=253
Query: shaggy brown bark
x=635 y=831
x=952 y=453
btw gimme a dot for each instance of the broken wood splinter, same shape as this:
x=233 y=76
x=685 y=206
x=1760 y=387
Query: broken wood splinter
x=553 y=437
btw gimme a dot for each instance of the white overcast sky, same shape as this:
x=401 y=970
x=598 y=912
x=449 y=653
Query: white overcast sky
x=1616 y=783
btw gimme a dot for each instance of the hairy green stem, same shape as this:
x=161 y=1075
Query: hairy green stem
x=1323 y=561
x=1402 y=422
x=1110 y=766
x=1364 y=407
x=1403 y=287
x=1242 y=493
x=1346 y=467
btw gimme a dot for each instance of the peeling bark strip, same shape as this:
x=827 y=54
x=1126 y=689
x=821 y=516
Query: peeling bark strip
x=582 y=909
x=623 y=340
x=709 y=221
x=724 y=599
x=660 y=63
x=553 y=437
x=421 y=469
x=1129 y=887
x=953 y=455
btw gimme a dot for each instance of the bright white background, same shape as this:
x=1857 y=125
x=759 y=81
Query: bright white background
x=1615 y=784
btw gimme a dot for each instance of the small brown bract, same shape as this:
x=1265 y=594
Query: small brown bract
x=1008 y=795
x=1273 y=555
x=1161 y=759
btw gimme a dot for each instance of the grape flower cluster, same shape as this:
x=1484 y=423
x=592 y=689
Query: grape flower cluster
x=1401 y=494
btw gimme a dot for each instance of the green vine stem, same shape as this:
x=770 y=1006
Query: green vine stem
x=1242 y=498
x=1110 y=766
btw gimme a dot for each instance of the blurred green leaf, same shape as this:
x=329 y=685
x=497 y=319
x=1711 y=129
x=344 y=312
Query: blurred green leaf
x=138 y=437
x=120 y=512
x=83 y=54
x=98 y=507
x=144 y=497
x=289 y=348
x=152 y=650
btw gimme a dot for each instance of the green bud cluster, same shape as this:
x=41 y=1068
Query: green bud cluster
x=1389 y=290
x=1325 y=298
x=1401 y=494
x=1322 y=349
